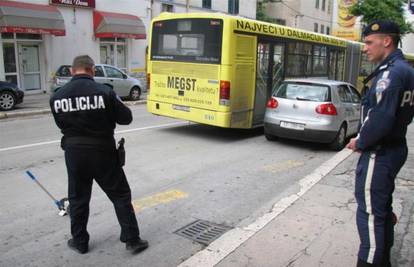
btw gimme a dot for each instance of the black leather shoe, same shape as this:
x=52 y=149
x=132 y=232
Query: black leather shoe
x=80 y=248
x=136 y=247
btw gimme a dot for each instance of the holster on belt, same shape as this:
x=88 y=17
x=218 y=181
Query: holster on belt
x=121 y=152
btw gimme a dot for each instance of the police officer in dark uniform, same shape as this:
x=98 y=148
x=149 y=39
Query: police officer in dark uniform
x=387 y=110
x=87 y=112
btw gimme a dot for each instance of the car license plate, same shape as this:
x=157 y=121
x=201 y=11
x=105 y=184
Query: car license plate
x=182 y=108
x=292 y=125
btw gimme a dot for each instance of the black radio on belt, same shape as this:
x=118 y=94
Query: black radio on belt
x=121 y=152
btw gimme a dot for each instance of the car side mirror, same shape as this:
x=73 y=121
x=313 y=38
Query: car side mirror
x=124 y=76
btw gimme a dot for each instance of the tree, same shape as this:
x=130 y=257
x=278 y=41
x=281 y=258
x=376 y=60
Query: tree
x=393 y=10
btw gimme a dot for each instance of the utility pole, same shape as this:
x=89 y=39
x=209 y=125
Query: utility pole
x=187 y=5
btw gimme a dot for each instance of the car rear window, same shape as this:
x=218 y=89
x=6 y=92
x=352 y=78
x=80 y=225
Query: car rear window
x=303 y=92
x=63 y=71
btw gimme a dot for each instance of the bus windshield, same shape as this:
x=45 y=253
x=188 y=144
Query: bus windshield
x=188 y=40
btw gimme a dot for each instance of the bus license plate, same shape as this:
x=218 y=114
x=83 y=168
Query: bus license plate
x=182 y=108
x=292 y=125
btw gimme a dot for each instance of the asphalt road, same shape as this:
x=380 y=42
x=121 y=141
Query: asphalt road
x=178 y=172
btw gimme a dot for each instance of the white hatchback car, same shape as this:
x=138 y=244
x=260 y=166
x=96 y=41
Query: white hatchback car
x=123 y=85
x=323 y=111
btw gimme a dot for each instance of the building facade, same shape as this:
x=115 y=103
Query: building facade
x=408 y=39
x=38 y=36
x=311 y=15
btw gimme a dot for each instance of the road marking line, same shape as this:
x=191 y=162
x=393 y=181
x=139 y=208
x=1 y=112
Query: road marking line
x=283 y=166
x=117 y=132
x=157 y=199
x=231 y=240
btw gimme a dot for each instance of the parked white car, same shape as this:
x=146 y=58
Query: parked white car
x=125 y=86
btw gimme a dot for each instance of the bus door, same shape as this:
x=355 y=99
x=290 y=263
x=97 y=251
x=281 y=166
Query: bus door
x=269 y=74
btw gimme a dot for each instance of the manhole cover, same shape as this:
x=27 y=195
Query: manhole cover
x=203 y=232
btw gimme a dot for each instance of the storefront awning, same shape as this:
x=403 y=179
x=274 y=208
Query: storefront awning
x=109 y=25
x=30 y=18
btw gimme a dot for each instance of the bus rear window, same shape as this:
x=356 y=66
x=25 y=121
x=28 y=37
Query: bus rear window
x=189 y=40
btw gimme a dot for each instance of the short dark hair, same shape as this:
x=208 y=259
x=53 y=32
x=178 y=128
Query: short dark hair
x=396 y=39
x=83 y=61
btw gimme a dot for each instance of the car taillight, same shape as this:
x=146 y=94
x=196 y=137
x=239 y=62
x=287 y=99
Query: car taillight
x=272 y=103
x=326 y=109
x=224 y=93
x=148 y=81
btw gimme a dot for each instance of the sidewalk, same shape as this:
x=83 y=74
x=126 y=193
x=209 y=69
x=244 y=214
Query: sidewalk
x=319 y=229
x=35 y=104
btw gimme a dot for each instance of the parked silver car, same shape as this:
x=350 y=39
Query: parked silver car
x=323 y=111
x=123 y=85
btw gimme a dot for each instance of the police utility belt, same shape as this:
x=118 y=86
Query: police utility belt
x=102 y=142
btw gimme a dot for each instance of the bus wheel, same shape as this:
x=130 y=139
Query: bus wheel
x=271 y=137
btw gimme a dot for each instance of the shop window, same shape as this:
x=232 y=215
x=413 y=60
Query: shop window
x=28 y=36
x=9 y=60
x=7 y=35
x=206 y=4
x=113 y=51
x=9 y=56
x=234 y=7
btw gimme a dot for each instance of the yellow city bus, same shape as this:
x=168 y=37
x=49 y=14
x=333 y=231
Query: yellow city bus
x=220 y=70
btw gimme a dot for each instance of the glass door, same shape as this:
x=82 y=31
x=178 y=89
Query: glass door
x=10 y=64
x=107 y=54
x=30 y=66
x=278 y=70
x=269 y=75
x=263 y=75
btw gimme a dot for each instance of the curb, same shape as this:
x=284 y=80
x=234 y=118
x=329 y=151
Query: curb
x=233 y=239
x=7 y=115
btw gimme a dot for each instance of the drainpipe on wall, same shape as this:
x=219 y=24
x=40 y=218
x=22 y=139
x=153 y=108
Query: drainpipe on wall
x=187 y=5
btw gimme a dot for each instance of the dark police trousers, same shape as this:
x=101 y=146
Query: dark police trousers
x=85 y=164
x=375 y=182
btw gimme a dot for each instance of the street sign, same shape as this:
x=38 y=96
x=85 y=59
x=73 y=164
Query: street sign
x=74 y=3
x=411 y=6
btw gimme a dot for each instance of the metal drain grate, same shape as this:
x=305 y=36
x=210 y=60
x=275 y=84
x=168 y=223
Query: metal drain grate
x=203 y=232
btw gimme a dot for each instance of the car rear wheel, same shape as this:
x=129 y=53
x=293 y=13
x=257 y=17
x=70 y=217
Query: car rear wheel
x=135 y=93
x=7 y=100
x=270 y=137
x=339 y=141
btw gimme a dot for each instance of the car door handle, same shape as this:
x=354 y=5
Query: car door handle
x=111 y=80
